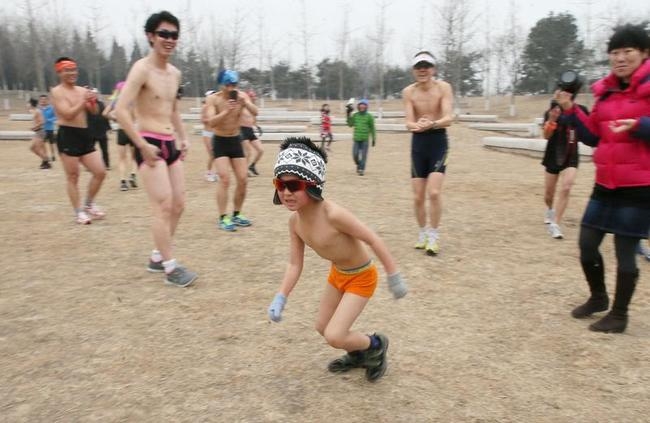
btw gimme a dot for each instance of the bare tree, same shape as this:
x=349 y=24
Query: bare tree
x=342 y=41
x=456 y=21
x=30 y=8
x=95 y=15
x=305 y=40
x=380 y=40
x=514 y=46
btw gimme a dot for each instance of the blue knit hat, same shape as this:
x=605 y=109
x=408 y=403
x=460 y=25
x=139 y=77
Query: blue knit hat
x=228 y=77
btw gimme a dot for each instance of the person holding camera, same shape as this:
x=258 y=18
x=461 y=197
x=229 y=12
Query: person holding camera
x=560 y=163
x=364 y=128
x=619 y=126
x=223 y=111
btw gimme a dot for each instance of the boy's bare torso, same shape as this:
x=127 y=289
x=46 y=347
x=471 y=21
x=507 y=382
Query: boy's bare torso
x=317 y=230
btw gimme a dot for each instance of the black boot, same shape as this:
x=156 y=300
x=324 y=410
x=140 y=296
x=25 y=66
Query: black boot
x=616 y=319
x=598 y=301
x=349 y=361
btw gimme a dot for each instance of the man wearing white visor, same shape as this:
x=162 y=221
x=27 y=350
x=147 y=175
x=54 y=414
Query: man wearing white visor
x=429 y=111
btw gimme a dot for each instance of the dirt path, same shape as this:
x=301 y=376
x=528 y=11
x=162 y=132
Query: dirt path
x=86 y=334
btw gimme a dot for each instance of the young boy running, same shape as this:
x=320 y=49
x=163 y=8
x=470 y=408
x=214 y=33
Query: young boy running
x=338 y=236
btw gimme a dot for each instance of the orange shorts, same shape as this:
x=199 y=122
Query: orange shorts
x=361 y=281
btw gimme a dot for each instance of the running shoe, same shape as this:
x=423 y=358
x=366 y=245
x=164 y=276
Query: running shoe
x=253 y=169
x=422 y=241
x=94 y=212
x=132 y=181
x=346 y=362
x=241 y=220
x=549 y=216
x=433 y=246
x=555 y=231
x=155 y=266
x=124 y=186
x=210 y=176
x=180 y=276
x=83 y=218
x=226 y=224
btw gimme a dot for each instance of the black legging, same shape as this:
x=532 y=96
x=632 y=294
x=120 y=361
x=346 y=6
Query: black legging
x=625 y=246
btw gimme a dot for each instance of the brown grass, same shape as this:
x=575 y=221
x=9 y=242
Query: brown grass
x=484 y=335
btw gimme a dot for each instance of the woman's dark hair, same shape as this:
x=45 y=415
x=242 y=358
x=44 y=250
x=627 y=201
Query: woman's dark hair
x=156 y=19
x=630 y=36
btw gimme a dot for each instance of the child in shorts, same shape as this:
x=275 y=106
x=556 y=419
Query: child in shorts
x=335 y=234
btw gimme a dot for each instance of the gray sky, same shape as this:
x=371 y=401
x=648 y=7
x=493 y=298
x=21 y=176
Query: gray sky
x=408 y=20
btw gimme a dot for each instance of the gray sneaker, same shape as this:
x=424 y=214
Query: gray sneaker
x=155 y=266
x=180 y=276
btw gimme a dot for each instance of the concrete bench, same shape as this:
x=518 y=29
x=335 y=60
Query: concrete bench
x=267 y=129
x=16 y=135
x=529 y=144
x=20 y=116
x=476 y=118
x=530 y=129
x=280 y=136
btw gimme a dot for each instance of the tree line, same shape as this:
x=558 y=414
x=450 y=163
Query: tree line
x=516 y=64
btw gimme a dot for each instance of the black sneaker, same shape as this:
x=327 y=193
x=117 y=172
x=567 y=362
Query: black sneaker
x=375 y=359
x=124 y=186
x=155 y=266
x=45 y=165
x=349 y=361
x=253 y=170
x=132 y=181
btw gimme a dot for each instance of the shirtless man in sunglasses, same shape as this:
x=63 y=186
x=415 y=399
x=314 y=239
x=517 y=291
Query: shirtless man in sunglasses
x=149 y=96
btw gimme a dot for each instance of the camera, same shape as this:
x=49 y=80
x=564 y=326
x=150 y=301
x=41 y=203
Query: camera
x=232 y=95
x=570 y=81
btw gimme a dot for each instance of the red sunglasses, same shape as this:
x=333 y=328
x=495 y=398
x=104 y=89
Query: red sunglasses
x=292 y=185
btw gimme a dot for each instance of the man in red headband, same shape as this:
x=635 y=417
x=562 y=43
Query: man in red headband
x=76 y=146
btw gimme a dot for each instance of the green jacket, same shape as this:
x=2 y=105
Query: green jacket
x=364 y=126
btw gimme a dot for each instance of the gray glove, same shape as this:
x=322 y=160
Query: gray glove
x=397 y=285
x=276 y=307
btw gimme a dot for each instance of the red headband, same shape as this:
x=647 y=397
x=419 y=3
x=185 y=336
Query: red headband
x=65 y=64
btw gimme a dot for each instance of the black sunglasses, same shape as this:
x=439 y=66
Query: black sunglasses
x=166 y=34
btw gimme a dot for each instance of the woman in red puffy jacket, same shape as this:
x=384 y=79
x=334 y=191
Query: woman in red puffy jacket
x=619 y=128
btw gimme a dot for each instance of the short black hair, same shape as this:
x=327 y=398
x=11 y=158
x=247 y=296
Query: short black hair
x=157 y=18
x=33 y=102
x=42 y=95
x=630 y=36
x=62 y=58
x=306 y=141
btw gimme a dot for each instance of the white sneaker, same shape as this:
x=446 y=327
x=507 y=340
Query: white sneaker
x=94 y=212
x=555 y=231
x=210 y=177
x=422 y=241
x=83 y=218
x=549 y=217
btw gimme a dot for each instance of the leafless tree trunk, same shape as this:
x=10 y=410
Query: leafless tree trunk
x=305 y=39
x=96 y=19
x=455 y=19
x=514 y=47
x=487 y=57
x=342 y=42
x=34 y=40
x=380 y=40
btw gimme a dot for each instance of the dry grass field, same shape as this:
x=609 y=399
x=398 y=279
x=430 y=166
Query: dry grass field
x=484 y=335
